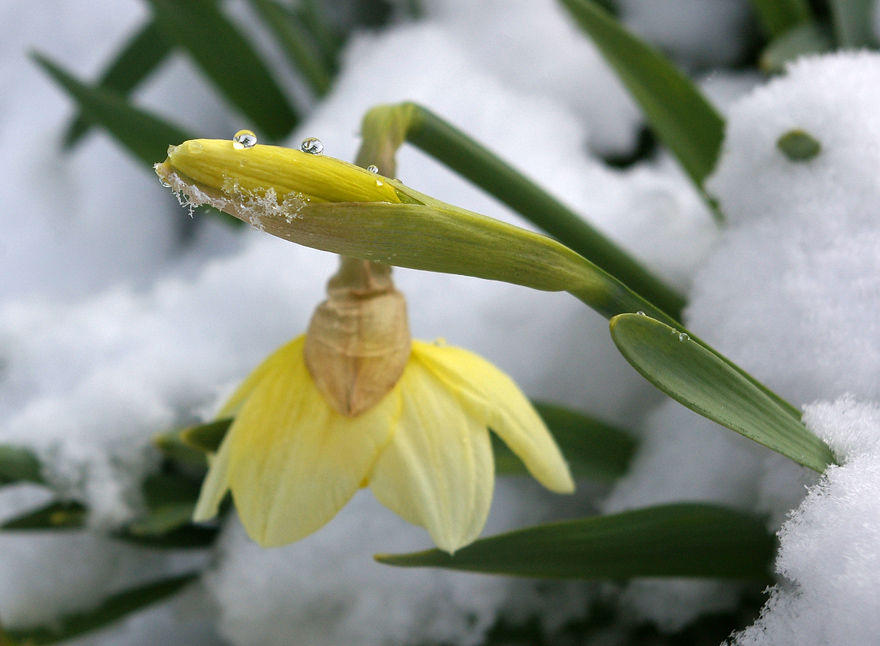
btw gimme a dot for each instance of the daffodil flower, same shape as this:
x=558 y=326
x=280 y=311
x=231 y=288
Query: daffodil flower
x=299 y=448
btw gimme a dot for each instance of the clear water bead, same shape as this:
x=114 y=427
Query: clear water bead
x=244 y=139
x=683 y=337
x=373 y=168
x=312 y=146
x=641 y=313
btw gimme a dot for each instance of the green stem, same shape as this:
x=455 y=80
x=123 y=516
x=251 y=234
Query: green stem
x=388 y=126
x=779 y=16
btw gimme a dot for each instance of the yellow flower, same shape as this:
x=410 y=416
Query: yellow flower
x=292 y=461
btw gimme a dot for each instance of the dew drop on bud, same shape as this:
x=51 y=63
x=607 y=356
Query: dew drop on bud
x=641 y=313
x=373 y=168
x=312 y=146
x=683 y=337
x=244 y=139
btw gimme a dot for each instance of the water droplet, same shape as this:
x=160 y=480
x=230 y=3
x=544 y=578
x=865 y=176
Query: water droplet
x=312 y=146
x=641 y=313
x=373 y=168
x=194 y=148
x=244 y=139
x=380 y=183
x=683 y=337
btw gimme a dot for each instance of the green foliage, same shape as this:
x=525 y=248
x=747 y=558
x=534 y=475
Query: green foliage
x=807 y=38
x=681 y=117
x=145 y=135
x=113 y=609
x=683 y=540
x=228 y=59
x=592 y=448
x=852 y=21
x=780 y=16
x=708 y=384
x=18 y=465
x=61 y=515
x=137 y=60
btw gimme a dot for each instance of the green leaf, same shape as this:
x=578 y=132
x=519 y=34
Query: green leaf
x=174 y=448
x=808 y=38
x=171 y=499
x=708 y=384
x=779 y=16
x=143 y=134
x=206 y=437
x=853 y=22
x=140 y=56
x=593 y=449
x=110 y=611
x=227 y=58
x=798 y=146
x=54 y=516
x=184 y=537
x=682 y=540
x=677 y=111
x=298 y=44
x=18 y=465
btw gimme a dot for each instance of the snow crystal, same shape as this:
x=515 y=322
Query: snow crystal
x=829 y=548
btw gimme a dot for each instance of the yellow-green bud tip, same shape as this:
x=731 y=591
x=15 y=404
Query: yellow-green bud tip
x=223 y=170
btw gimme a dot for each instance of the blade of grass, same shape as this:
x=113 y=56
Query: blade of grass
x=385 y=128
x=592 y=448
x=227 y=58
x=54 y=516
x=683 y=540
x=681 y=117
x=297 y=43
x=695 y=376
x=140 y=56
x=18 y=465
x=853 y=22
x=146 y=136
x=779 y=16
x=113 y=609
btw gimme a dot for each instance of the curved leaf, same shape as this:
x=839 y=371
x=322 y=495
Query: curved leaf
x=707 y=383
x=683 y=540
x=226 y=57
x=678 y=112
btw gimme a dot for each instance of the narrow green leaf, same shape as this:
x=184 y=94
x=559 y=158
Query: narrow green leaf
x=206 y=437
x=226 y=57
x=54 y=516
x=705 y=382
x=808 y=38
x=183 y=537
x=853 y=22
x=682 y=540
x=328 y=39
x=798 y=146
x=677 y=111
x=18 y=465
x=174 y=448
x=297 y=43
x=473 y=161
x=137 y=60
x=171 y=499
x=143 y=134
x=110 y=611
x=779 y=16
x=593 y=449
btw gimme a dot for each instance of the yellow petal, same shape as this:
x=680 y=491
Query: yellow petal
x=293 y=460
x=215 y=485
x=497 y=401
x=438 y=470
